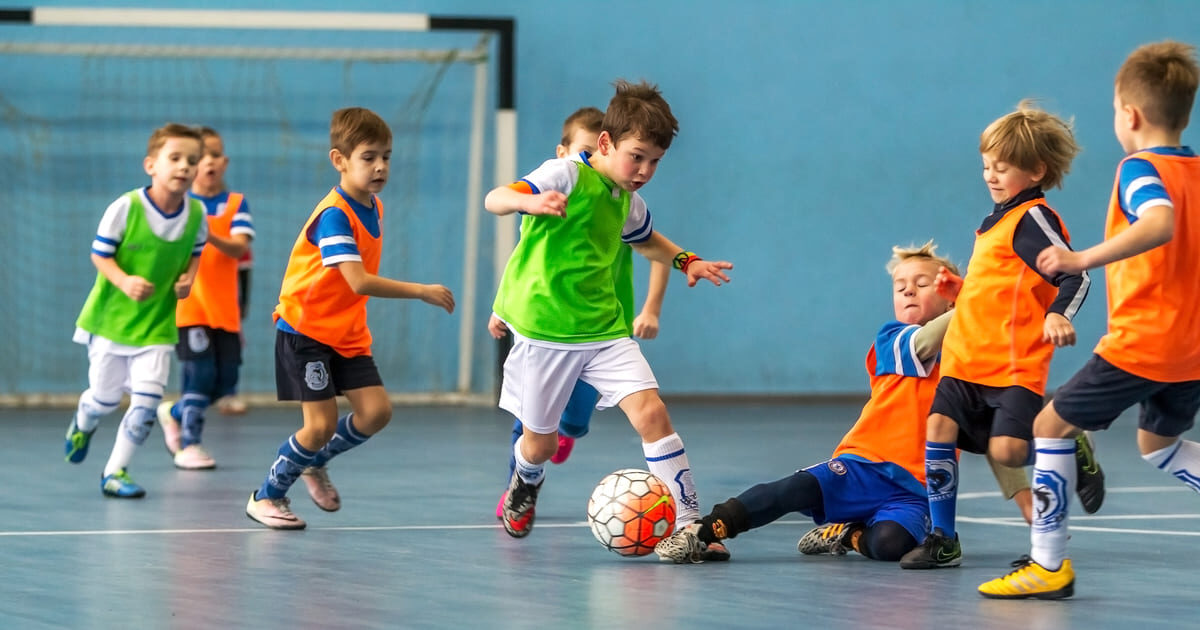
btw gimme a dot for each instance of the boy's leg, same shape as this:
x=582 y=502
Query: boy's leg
x=106 y=384
x=1014 y=484
x=940 y=548
x=575 y=420
x=371 y=411
x=148 y=371
x=518 y=429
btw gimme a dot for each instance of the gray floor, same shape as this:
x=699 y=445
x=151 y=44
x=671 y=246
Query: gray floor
x=416 y=544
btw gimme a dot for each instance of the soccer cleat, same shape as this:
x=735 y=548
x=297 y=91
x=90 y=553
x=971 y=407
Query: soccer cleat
x=321 y=489
x=683 y=546
x=194 y=457
x=1089 y=480
x=1030 y=579
x=76 y=447
x=121 y=486
x=170 y=426
x=937 y=552
x=714 y=552
x=274 y=513
x=565 y=444
x=832 y=539
x=519 y=502
x=231 y=405
x=500 y=506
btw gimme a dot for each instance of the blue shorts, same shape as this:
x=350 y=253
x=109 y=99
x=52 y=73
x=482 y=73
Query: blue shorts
x=856 y=491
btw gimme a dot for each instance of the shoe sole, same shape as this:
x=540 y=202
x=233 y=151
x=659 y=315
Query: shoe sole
x=327 y=509
x=283 y=527
x=953 y=564
x=1061 y=593
x=113 y=495
x=211 y=466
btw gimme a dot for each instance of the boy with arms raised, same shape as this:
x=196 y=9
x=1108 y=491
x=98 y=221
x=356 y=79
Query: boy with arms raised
x=580 y=131
x=209 y=319
x=1008 y=320
x=559 y=298
x=1150 y=355
x=322 y=343
x=146 y=251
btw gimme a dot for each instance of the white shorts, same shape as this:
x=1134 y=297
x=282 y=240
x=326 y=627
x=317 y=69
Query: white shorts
x=538 y=379
x=117 y=368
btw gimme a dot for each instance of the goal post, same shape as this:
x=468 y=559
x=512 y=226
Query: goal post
x=270 y=65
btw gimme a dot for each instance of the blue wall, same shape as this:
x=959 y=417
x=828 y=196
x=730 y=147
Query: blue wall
x=814 y=136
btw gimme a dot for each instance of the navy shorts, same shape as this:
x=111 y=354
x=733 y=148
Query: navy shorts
x=1100 y=391
x=203 y=343
x=982 y=411
x=855 y=491
x=308 y=370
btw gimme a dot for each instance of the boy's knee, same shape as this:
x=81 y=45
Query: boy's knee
x=539 y=447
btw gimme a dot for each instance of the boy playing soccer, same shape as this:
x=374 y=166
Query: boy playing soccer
x=1008 y=320
x=580 y=131
x=561 y=302
x=146 y=252
x=322 y=343
x=1150 y=355
x=872 y=490
x=209 y=320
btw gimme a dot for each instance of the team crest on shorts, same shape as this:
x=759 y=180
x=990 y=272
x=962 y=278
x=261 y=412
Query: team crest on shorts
x=315 y=376
x=837 y=467
x=197 y=339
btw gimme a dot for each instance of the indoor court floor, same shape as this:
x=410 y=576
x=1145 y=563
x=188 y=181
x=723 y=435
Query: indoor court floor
x=416 y=543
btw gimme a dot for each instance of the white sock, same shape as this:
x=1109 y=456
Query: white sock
x=90 y=410
x=668 y=461
x=532 y=474
x=1181 y=459
x=134 y=429
x=1053 y=484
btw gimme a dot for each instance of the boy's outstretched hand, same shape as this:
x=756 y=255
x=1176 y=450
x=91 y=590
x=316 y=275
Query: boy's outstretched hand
x=550 y=202
x=947 y=284
x=1058 y=330
x=708 y=269
x=1053 y=260
x=438 y=295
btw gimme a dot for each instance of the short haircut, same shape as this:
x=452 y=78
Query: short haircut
x=926 y=252
x=1160 y=79
x=1030 y=137
x=170 y=130
x=588 y=118
x=207 y=132
x=352 y=126
x=639 y=110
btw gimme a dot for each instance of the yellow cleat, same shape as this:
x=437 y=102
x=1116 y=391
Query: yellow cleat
x=1030 y=579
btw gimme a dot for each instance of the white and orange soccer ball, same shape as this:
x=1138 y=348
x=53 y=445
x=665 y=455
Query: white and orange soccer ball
x=630 y=511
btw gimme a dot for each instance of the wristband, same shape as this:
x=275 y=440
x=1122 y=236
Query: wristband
x=683 y=259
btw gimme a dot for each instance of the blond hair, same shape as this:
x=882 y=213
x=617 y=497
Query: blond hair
x=1029 y=138
x=352 y=126
x=170 y=130
x=588 y=118
x=640 y=110
x=926 y=252
x=1160 y=79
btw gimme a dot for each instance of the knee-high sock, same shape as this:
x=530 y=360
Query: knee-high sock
x=345 y=437
x=941 y=475
x=291 y=460
x=191 y=417
x=91 y=410
x=518 y=430
x=668 y=461
x=135 y=426
x=531 y=473
x=1053 y=483
x=1181 y=459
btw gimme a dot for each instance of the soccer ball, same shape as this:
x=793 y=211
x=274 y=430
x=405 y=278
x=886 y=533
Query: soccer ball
x=630 y=511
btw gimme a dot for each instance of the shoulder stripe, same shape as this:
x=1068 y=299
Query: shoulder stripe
x=336 y=240
x=1137 y=184
x=330 y=261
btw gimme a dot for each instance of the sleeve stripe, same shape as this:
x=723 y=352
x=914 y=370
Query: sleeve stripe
x=106 y=240
x=1139 y=183
x=642 y=233
x=1056 y=239
x=330 y=261
x=533 y=190
x=103 y=247
x=904 y=351
x=102 y=254
x=1150 y=203
x=335 y=240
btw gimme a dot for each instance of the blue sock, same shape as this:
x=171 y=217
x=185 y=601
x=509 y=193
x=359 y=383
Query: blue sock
x=175 y=412
x=191 y=420
x=517 y=431
x=345 y=437
x=292 y=461
x=941 y=476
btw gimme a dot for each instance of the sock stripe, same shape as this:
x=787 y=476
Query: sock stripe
x=660 y=458
x=1056 y=451
x=1174 y=452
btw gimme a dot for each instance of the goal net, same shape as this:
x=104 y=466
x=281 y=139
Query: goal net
x=76 y=109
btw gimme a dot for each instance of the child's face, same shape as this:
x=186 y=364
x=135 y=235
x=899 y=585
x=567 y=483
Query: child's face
x=581 y=140
x=366 y=169
x=212 y=166
x=175 y=165
x=913 y=294
x=632 y=163
x=1123 y=123
x=1005 y=181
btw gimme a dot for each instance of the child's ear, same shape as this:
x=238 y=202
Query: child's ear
x=560 y=151
x=1040 y=173
x=604 y=143
x=148 y=165
x=337 y=159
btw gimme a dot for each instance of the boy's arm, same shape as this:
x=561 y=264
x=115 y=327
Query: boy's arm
x=505 y=200
x=1037 y=231
x=364 y=283
x=1155 y=226
x=645 y=325
x=928 y=340
x=136 y=287
x=234 y=246
x=659 y=248
x=183 y=284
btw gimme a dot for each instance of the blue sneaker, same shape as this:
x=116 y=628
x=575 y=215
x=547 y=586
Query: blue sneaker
x=121 y=486
x=77 y=444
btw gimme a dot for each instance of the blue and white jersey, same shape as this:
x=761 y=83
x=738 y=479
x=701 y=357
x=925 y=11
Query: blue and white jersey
x=896 y=352
x=168 y=227
x=561 y=174
x=332 y=233
x=1139 y=185
x=243 y=223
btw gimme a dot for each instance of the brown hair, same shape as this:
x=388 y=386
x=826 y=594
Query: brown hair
x=640 y=110
x=928 y=252
x=352 y=126
x=588 y=118
x=207 y=132
x=1030 y=137
x=1160 y=79
x=170 y=130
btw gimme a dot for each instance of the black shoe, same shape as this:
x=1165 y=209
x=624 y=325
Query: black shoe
x=1089 y=480
x=519 y=502
x=937 y=552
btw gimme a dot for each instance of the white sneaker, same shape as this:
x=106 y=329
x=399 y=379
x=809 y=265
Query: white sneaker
x=321 y=489
x=170 y=426
x=231 y=406
x=681 y=547
x=194 y=457
x=274 y=513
